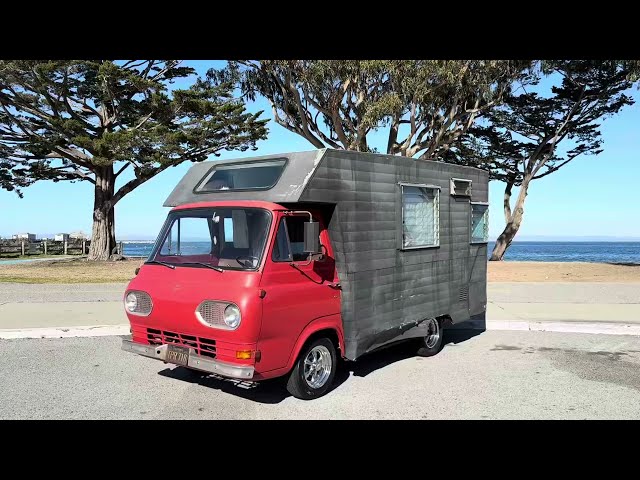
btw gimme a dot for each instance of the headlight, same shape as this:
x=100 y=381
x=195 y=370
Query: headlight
x=131 y=302
x=138 y=302
x=232 y=316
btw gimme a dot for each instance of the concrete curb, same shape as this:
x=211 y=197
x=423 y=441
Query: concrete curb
x=566 y=327
x=518 y=325
x=65 y=332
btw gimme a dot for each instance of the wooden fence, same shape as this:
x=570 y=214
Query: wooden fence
x=24 y=247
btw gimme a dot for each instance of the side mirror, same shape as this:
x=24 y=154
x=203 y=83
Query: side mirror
x=311 y=240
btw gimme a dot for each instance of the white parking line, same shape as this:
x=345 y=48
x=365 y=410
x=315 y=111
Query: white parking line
x=66 y=332
x=566 y=327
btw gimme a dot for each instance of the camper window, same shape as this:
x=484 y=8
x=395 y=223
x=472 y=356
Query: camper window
x=420 y=216
x=242 y=176
x=479 y=223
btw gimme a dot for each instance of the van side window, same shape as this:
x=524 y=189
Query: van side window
x=289 y=246
x=281 y=247
x=295 y=227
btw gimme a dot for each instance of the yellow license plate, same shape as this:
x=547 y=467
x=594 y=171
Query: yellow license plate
x=177 y=355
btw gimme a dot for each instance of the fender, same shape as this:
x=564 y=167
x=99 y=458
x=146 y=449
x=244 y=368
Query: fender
x=332 y=322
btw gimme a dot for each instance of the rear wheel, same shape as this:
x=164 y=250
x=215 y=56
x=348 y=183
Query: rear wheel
x=431 y=343
x=313 y=373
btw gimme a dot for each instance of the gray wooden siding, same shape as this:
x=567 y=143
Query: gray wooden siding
x=386 y=289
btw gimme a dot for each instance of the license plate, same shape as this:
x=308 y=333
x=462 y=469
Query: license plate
x=177 y=355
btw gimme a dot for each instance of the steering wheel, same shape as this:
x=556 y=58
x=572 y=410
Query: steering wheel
x=251 y=258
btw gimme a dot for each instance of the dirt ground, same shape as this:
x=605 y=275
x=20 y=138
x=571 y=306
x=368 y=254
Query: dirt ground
x=562 y=272
x=66 y=271
x=81 y=271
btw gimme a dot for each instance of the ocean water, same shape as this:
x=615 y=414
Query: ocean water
x=603 y=252
x=607 y=252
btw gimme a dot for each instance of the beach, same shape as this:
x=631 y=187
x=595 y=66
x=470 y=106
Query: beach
x=81 y=271
x=562 y=272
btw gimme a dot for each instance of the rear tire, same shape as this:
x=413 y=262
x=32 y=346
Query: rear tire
x=432 y=342
x=314 y=370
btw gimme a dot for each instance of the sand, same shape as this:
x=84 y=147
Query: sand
x=80 y=271
x=562 y=272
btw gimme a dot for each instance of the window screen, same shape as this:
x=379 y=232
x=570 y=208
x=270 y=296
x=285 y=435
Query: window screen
x=420 y=216
x=479 y=223
x=242 y=176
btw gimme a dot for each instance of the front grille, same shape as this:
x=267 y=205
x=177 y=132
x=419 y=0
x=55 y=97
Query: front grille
x=212 y=313
x=202 y=346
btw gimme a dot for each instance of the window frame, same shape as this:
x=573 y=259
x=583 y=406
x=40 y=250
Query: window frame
x=198 y=189
x=436 y=215
x=471 y=240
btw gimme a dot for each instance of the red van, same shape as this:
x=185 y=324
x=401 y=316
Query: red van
x=281 y=265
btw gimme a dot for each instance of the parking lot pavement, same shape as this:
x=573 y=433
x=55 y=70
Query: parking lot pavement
x=496 y=374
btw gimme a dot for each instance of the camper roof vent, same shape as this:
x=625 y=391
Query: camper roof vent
x=460 y=187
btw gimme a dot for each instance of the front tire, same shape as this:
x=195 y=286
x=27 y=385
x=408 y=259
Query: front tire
x=432 y=342
x=314 y=370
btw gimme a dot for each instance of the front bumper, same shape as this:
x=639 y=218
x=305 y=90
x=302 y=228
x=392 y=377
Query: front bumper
x=197 y=362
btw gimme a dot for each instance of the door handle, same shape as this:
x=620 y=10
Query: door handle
x=334 y=285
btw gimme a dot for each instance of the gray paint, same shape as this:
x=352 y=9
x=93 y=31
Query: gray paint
x=386 y=291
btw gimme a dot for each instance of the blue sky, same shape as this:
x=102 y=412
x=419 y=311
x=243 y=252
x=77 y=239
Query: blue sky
x=591 y=196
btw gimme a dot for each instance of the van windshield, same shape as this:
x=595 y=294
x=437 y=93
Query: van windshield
x=228 y=238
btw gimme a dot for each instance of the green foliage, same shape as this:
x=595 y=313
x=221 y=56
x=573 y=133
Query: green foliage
x=426 y=105
x=89 y=120
x=519 y=139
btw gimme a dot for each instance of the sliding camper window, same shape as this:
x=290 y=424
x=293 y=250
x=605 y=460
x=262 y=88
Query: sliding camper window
x=260 y=175
x=479 y=223
x=420 y=216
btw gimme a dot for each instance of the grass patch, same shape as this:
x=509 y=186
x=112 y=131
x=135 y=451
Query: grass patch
x=69 y=271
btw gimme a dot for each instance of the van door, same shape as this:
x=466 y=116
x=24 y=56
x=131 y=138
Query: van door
x=297 y=290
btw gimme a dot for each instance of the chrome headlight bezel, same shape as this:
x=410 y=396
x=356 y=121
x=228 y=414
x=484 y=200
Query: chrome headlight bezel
x=213 y=314
x=141 y=307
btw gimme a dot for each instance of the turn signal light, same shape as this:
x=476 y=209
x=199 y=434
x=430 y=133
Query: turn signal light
x=243 y=354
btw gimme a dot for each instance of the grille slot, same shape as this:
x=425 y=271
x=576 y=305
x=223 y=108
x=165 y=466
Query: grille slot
x=463 y=294
x=202 y=346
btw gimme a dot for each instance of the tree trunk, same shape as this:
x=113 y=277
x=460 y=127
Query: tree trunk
x=103 y=233
x=514 y=220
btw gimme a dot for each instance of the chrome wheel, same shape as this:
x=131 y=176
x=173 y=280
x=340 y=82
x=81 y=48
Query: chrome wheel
x=433 y=335
x=317 y=366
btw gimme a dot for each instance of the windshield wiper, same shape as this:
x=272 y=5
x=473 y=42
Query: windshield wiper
x=168 y=265
x=217 y=269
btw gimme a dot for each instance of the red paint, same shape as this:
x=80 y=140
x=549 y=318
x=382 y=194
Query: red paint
x=281 y=306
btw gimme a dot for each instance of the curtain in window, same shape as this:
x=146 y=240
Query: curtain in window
x=419 y=216
x=479 y=223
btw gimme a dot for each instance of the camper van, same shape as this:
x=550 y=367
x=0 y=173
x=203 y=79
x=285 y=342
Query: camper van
x=282 y=265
